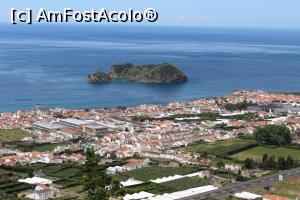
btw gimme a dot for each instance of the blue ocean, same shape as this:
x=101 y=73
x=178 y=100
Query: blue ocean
x=48 y=64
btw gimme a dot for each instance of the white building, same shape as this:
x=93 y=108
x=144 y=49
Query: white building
x=43 y=192
x=246 y=195
x=114 y=170
x=233 y=167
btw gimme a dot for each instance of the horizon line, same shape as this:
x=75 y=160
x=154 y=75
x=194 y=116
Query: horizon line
x=151 y=25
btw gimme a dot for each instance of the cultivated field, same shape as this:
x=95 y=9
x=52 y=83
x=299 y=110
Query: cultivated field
x=7 y=135
x=168 y=187
x=66 y=177
x=256 y=153
x=221 y=147
x=9 y=184
x=39 y=147
x=153 y=172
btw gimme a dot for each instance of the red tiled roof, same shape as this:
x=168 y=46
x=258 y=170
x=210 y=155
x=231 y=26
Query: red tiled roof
x=274 y=197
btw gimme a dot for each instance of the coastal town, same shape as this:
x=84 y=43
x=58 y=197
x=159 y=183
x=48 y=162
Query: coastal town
x=199 y=149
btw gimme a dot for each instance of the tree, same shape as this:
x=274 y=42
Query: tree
x=281 y=163
x=204 y=154
x=249 y=163
x=264 y=162
x=220 y=164
x=238 y=106
x=273 y=134
x=270 y=162
x=97 y=184
x=115 y=189
x=290 y=163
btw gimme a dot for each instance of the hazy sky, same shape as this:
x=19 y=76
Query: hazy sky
x=233 y=13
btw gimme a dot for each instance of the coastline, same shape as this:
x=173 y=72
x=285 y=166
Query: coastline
x=146 y=103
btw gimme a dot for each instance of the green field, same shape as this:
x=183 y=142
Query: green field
x=46 y=147
x=153 y=172
x=63 y=174
x=289 y=188
x=186 y=183
x=256 y=153
x=171 y=186
x=8 y=135
x=293 y=93
x=9 y=187
x=68 y=178
x=39 y=147
x=221 y=147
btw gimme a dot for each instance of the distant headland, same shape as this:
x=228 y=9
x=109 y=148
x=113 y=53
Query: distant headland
x=157 y=73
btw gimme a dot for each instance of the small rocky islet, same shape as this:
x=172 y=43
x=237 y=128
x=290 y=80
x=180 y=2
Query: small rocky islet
x=98 y=77
x=158 y=73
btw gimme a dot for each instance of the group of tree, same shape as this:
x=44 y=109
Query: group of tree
x=237 y=106
x=271 y=162
x=97 y=184
x=220 y=164
x=273 y=135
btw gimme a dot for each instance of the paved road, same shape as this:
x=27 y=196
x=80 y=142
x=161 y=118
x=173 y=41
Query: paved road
x=264 y=181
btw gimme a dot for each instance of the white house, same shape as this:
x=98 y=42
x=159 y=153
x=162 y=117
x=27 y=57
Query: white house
x=43 y=192
x=233 y=167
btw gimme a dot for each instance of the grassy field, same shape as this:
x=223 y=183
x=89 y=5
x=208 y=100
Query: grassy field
x=289 y=188
x=76 y=189
x=153 y=172
x=221 y=147
x=293 y=93
x=39 y=147
x=217 y=160
x=46 y=147
x=7 y=135
x=257 y=152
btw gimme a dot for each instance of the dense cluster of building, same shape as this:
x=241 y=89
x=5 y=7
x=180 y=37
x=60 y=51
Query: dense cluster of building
x=114 y=133
x=148 y=131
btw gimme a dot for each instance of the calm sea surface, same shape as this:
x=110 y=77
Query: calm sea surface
x=47 y=65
